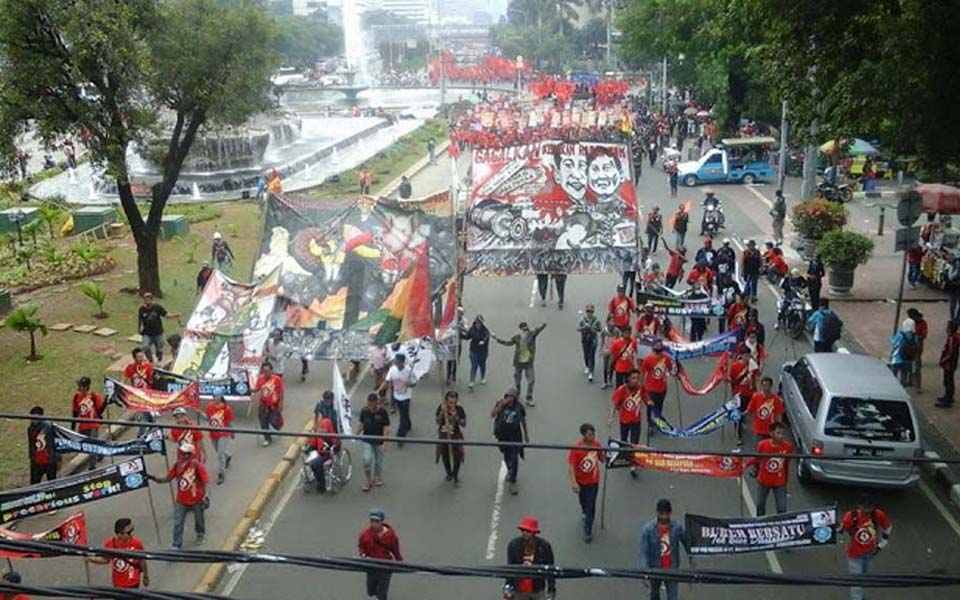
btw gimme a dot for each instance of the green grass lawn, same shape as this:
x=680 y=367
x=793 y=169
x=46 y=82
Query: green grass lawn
x=69 y=355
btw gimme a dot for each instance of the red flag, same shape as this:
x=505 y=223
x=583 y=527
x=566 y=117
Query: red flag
x=72 y=531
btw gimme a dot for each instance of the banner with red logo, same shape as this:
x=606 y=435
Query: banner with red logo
x=809 y=528
x=147 y=400
x=72 y=531
x=729 y=467
x=717 y=376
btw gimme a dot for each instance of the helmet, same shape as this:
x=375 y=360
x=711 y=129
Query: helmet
x=216 y=235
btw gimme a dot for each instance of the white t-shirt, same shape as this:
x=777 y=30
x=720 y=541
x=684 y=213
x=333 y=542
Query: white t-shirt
x=400 y=379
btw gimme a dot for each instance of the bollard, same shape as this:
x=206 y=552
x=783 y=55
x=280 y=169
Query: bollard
x=880 y=225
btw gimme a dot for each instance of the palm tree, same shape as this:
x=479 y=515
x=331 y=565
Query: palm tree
x=24 y=318
x=49 y=214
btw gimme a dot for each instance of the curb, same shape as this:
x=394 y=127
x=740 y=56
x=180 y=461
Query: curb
x=214 y=573
x=875 y=194
x=940 y=472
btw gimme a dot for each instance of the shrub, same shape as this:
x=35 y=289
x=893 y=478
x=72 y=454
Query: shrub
x=842 y=249
x=88 y=252
x=814 y=218
x=95 y=292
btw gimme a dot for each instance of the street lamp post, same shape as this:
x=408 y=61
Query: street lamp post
x=519 y=73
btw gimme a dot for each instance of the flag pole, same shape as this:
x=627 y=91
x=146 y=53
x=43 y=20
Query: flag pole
x=86 y=571
x=676 y=394
x=603 y=496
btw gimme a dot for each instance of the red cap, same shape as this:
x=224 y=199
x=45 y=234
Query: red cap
x=529 y=524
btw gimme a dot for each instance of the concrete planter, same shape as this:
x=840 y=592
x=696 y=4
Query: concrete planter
x=840 y=281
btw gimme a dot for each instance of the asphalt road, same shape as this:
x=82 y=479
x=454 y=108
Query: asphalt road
x=471 y=525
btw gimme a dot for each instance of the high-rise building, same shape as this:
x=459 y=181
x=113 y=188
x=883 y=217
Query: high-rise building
x=417 y=11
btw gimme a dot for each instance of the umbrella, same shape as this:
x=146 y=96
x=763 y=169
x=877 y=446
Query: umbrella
x=944 y=199
x=857 y=147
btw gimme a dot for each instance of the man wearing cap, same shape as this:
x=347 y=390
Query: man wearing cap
x=87 y=405
x=529 y=549
x=192 y=436
x=191 y=484
x=589 y=328
x=379 y=541
x=510 y=425
x=584 y=468
x=525 y=350
x=660 y=543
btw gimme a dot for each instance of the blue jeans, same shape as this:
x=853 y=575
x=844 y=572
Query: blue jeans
x=779 y=496
x=152 y=340
x=478 y=362
x=672 y=589
x=588 y=505
x=403 y=407
x=750 y=283
x=372 y=459
x=858 y=566
x=179 y=519
x=903 y=372
x=913 y=274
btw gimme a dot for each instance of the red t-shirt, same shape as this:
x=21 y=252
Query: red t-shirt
x=139 y=375
x=624 y=352
x=191 y=479
x=126 y=571
x=629 y=404
x=586 y=463
x=740 y=380
x=765 y=410
x=648 y=326
x=187 y=435
x=666 y=550
x=87 y=406
x=864 y=530
x=219 y=414
x=654 y=369
x=773 y=471
x=704 y=276
x=271 y=389
x=621 y=308
x=737 y=315
x=675 y=268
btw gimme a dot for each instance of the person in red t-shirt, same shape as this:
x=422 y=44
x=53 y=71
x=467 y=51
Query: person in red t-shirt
x=654 y=369
x=648 y=325
x=128 y=573
x=14 y=578
x=269 y=392
x=869 y=530
x=379 y=541
x=765 y=408
x=191 y=483
x=220 y=414
x=584 y=469
x=628 y=401
x=87 y=405
x=623 y=352
x=678 y=258
x=621 y=307
x=741 y=385
x=139 y=373
x=771 y=473
x=737 y=313
x=192 y=436
x=44 y=458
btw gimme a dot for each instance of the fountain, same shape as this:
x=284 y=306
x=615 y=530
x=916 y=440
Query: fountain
x=92 y=194
x=363 y=60
x=335 y=158
x=195 y=191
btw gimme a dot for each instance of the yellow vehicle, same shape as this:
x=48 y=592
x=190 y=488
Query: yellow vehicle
x=880 y=166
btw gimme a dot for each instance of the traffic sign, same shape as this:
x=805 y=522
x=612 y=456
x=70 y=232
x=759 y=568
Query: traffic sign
x=909 y=208
x=907 y=237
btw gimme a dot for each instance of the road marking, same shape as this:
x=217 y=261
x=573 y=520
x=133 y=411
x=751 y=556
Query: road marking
x=842 y=350
x=292 y=485
x=772 y=559
x=533 y=293
x=940 y=507
x=760 y=196
x=495 y=513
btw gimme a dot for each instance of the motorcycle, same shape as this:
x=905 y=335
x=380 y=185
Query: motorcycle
x=713 y=219
x=842 y=193
x=794 y=315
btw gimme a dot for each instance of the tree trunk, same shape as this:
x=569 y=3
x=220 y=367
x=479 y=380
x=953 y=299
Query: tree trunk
x=737 y=85
x=148 y=258
x=33 y=345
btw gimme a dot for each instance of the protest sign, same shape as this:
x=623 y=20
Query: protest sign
x=808 y=528
x=702 y=426
x=235 y=388
x=65 y=440
x=686 y=464
x=147 y=400
x=681 y=307
x=73 y=530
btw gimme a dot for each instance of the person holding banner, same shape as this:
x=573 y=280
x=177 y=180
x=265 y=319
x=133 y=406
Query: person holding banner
x=128 y=573
x=741 y=386
x=192 y=436
x=191 y=483
x=220 y=414
x=869 y=530
x=648 y=325
x=44 y=458
x=269 y=392
x=584 y=470
x=627 y=401
x=772 y=473
x=621 y=307
x=654 y=369
x=660 y=543
x=139 y=374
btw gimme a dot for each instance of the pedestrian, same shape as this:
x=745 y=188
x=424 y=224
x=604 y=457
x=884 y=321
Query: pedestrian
x=180 y=436
x=150 y=325
x=379 y=541
x=623 y=354
x=827 y=327
x=815 y=273
x=510 y=425
x=921 y=329
x=778 y=214
x=754 y=326
x=772 y=473
x=173 y=340
x=654 y=228
x=451 y=420
x=87 y=405
x=678 y=258
x=751 y=261
x=653 y=371
x=401 y=380
x=261 y=187
x=589 y=328
x=268 y=390
x=652 y=151
x=948 y=363
x=736 y=313
x=525 y=351
x=660 y=543
x=648 y=325
x=191 y=484
x=914 y=259
x=681 y=222
x=628 y=400
x=43 y=455
x=70 y=152
x=128 y=573
x=584 y=470
x=951 y=283
x=203 y=276
x=621 y=307
x=139 y=374
x=529 y=549
x=220 y=252
x=608 y=335
x=673 y=173
x=220 y=414
x=23 y=158
x=560 y=283
x=431 y=148
x=479 y=337
x=375 y=423
x=741 y=386
x=869 y=529
x=276 y=351
x=904 y=347
x=765 y=409
x=405 y=189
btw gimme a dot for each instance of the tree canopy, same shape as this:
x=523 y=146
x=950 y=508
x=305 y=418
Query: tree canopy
x=303 y=41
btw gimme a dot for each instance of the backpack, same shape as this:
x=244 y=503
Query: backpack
x=832 y=326
x=909 y=349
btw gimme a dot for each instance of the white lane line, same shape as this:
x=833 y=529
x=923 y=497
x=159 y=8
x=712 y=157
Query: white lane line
x=760 y=196
x=292 y=486
x=772 y=559
x=940 y=507
x=495 y=513
x=533 y=293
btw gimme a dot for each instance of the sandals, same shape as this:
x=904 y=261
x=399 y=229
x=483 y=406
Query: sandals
x=365 y=488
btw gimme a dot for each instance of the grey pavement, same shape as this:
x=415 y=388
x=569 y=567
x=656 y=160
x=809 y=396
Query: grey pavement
x=471 y=525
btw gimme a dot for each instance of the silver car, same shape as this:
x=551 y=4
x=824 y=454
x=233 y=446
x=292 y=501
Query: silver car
x=851 y=405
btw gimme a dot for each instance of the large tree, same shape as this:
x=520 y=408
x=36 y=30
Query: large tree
x=127 y=70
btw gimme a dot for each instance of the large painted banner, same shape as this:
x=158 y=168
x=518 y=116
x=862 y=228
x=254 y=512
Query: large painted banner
x=228 y=329
x=360 y=271
x=552 y=207
x=802 y=529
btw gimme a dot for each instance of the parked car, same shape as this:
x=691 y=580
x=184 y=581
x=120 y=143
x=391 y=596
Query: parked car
x=851 y=405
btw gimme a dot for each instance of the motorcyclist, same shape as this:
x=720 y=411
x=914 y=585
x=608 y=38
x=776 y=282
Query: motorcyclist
x=794 y=288
x=707 y=254
x=710 y=202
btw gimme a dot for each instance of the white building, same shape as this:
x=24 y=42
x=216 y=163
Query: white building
x=418 y=11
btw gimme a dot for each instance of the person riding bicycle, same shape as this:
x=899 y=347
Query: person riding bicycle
x=794 y=288
x=325 y=446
